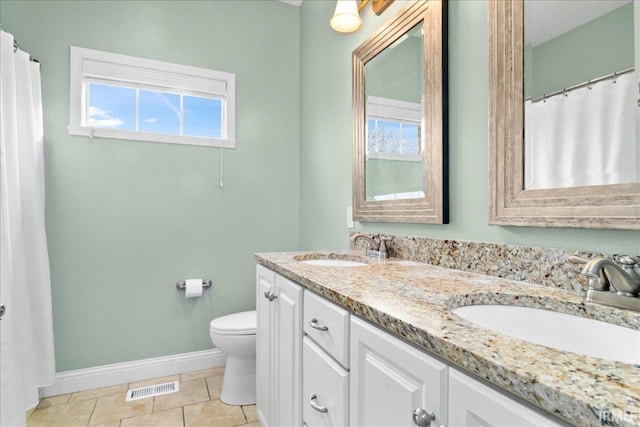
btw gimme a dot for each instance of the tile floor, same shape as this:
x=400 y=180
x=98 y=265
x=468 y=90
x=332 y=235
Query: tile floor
x=196 y=404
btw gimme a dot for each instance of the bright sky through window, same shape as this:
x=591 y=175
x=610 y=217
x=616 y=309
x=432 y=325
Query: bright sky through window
x=114 y=107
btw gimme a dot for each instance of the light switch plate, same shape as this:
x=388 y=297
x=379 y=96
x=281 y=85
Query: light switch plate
x=350 y=223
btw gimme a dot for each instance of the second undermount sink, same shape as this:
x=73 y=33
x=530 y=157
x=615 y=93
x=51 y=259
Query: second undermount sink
x=330 y=260
x=558 y=330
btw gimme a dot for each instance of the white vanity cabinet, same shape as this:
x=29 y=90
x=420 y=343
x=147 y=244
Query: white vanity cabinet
x=279 y=350
x=346 y=371
x=391 y=381
x=474 y=404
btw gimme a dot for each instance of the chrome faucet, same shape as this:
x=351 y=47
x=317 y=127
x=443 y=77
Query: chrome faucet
x=621 y=283
x=375 y=249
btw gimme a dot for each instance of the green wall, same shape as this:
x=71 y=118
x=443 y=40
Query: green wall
x=592 y=50
x=126 y=219
x=325 y=151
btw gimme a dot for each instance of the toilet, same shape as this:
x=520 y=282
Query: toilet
x=235 y=335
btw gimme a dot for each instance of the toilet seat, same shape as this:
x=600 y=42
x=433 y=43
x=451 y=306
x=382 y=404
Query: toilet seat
x=243 y=323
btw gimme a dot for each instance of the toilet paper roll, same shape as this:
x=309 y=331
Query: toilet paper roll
x=193 y=288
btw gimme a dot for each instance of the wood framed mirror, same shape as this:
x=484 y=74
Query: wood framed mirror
x=511 y=201
x=400 y=118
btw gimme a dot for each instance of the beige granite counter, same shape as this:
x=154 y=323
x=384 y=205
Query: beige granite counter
x=413 y=301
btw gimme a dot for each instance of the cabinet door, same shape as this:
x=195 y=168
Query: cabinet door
x=325 y=388
x=473 y=404
x=390 y=380
x=265 y=369
x=288 y=353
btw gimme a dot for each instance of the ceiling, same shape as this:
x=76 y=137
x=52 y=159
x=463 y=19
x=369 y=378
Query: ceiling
x=292 y=2
x=545 y=20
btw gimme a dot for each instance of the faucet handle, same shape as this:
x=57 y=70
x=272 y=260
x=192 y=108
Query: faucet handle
x=628 y=263
x=627 y=260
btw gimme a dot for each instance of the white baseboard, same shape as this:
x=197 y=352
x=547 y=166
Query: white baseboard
x=137 y=370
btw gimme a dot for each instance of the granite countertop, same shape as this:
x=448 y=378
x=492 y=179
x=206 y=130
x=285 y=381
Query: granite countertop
x=413 y=300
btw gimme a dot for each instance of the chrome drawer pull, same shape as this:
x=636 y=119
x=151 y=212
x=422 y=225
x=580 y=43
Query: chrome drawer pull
x=314 y=325
x=315 y=406
x=270 y=295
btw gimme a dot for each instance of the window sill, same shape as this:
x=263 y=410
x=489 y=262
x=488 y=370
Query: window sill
x=395 y=156
x=149 y=137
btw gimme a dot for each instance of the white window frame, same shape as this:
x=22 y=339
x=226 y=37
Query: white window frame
x=88 y=65
x=379 y=108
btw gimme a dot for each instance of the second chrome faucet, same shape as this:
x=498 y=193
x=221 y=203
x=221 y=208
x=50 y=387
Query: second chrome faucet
x=611 y=283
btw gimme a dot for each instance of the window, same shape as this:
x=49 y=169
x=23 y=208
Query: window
x=394 y=129
x=118 y=96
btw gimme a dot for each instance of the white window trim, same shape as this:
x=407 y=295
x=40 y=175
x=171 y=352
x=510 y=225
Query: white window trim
x=395 y=156
x=89 y=64
x=379 y=108
x=386 y=108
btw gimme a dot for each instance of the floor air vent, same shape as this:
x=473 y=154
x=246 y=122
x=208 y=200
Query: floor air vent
x=152 y=390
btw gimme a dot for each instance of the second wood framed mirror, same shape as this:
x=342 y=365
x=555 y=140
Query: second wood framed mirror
x=514 y=196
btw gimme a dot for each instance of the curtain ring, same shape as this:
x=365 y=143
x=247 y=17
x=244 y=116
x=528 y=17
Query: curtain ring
x=589 y=84
x=564 y=92
x=615 y=74
x=544 y=97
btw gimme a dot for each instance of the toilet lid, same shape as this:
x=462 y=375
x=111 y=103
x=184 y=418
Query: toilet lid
x=243 y=323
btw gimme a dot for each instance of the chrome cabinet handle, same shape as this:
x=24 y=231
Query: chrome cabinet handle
x=270 y=295
x=314 y=324
x=422 y=418
x=315 y=406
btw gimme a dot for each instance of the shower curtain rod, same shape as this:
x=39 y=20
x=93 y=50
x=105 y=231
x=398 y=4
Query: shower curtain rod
x=16 y=46
x=588 y=83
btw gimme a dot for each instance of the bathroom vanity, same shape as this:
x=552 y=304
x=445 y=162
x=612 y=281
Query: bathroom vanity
x=359 y=341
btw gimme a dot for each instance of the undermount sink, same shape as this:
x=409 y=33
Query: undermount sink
x=558 y=330
x=330 y=260
x=334 y=262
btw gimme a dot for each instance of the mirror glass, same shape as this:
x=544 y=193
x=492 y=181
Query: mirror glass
x=394 y=89
x=399 y=84
x=582 y=118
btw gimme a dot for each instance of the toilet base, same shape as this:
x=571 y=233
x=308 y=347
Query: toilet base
x=239 y=383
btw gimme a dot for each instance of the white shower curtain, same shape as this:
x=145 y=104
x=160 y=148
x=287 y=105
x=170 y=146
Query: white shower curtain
x=584 y=138
x=26 y=330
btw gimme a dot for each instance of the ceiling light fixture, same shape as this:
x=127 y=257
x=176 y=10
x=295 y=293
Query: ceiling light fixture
x=346 y=18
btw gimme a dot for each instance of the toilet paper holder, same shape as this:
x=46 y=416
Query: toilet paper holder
x=181 y=285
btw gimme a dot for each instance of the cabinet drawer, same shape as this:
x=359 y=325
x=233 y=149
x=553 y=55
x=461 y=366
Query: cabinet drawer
x=328 y=325
x=328 y=383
